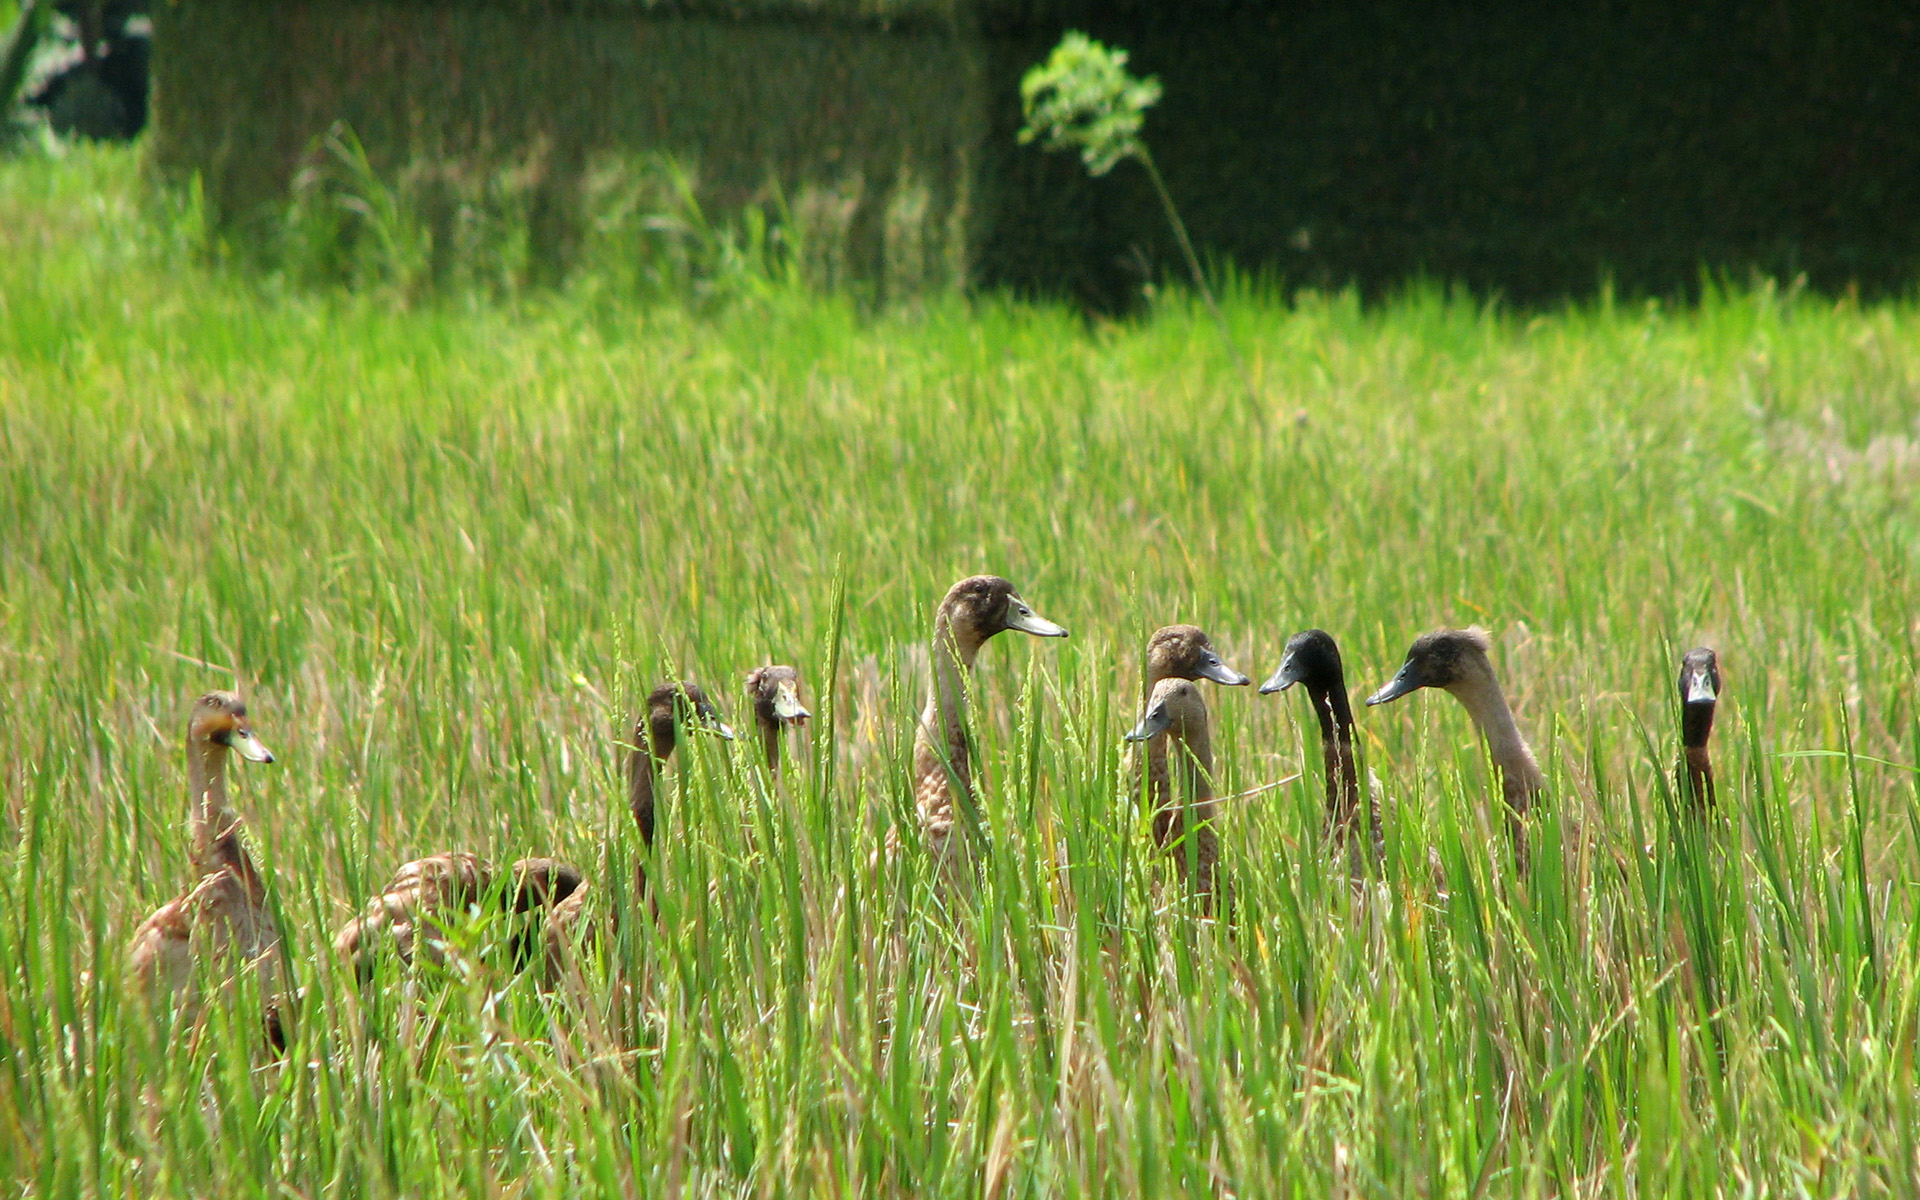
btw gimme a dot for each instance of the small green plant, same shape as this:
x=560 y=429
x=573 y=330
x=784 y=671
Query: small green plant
x=1083 y=98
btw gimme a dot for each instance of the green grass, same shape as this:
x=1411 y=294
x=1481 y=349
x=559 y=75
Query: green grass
x=445 y=548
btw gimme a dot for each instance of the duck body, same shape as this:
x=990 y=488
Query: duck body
x=973 y=610
x=1456 y=661
x=1177 y=732
x=224 y=914
x=1312 y=660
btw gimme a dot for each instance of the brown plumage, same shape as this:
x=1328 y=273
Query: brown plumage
x=1455 y=660
x=775 y=694
x=422 y=896
x=224 y=915
x=1312 y=659
x=1179 y=741
x=1699 y=694
x=670 y=707
x=973 y=610
x=1185 y=652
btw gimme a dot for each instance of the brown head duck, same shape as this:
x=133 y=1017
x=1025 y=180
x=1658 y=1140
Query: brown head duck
x=1179 y=740
x=775 y=695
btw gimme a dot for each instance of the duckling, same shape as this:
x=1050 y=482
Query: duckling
x=1185 y=652
x=225 y=913
x=1180 y=780
x=655 y=735
x=775 y=693
x=1313 y=658
x=974 y=609
x=1455 y=660
x=1699 y=693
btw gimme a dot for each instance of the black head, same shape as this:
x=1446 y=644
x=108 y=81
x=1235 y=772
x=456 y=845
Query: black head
x=683 y=703
x=1185 y=652
x=1312 y=658
x=1699 y=677
x=1436 y=660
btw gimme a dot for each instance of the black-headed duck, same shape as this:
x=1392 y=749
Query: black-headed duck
x=1699 y=694
x=1455 y=661
x=1312 y=659
x=224 y=914
x=1179 y=740
x=973 y=610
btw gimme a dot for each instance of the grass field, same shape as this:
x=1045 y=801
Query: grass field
x=445 y=547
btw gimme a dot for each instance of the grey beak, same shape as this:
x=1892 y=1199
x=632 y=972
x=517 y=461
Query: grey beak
x=1700 y=689
x=1220 y=672
x=1283 y=677
x=1152 y=725
x=1408 y=680
x=1035 y=624
x=787 y=706
x=249 y=747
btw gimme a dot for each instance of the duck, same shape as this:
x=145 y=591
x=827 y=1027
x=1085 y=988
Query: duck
x=1456 y=661
x=973 y=610
x=774 y=692
x=1699 y=693
x=421 y=894
x=224 y=915
x=670 y=707
x=1312 y=659
x=1179 y=743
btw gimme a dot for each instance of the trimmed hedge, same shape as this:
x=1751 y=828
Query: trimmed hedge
x=1530 y=150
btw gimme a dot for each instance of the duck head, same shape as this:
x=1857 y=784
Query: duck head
x=1445 y=658
x=980 y=606
x=775 y=692
x=1185 y=652
x=219 y=722
x=1312 y=658
x=1175 y=707
x=1700 y=678
x=687 y=705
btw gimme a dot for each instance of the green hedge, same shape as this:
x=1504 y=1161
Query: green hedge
x=1525 y=149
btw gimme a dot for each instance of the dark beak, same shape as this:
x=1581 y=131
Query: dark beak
x=1408 y=680
x=1220 y=672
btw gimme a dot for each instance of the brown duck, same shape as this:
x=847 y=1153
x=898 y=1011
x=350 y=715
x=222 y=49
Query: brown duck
x=1312 y=659
x=1455 y=660
x=670 y=707
x=775 y=695
x=1699 y=694
x=973 y=610
x=224 y=915
x=1179 y=741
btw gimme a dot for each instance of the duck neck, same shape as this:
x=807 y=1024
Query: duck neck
x=643 y=766
x=1336 y=747
x=1520 y=776
x=1190 y=752
x=1696 y=726
x=946 y=715
x=214 y=827
x=770 y=742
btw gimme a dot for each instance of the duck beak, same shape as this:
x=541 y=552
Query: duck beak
x=1028 y=621
x=1284 y=676
x=1220 y=672
x=1152 y=725
x=249 y=747
x=1700 y=689
x=1408 y=680
x=786 y=704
